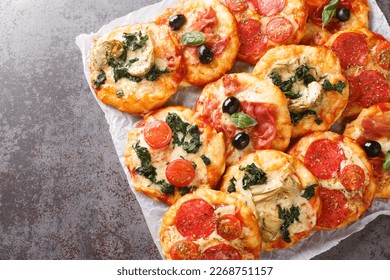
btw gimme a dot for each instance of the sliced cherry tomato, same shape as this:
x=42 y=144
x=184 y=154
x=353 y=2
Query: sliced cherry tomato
x=184 y=250
x=221 y=252
x=229 y=227
x=180 y=172
x=352 y=177
x=237 y=5
x=157 y=134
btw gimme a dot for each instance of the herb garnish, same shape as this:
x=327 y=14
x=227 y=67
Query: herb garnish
x=206 y=160
x=146 y=169
x=232 y=187
x=329 y=11
x=192 y=38
x=166 y=188
x=100 y=79
x=309 y=192
x=327 y=86
x=119 y=93
x=253 y=176
x=155 y=72
x=386 y=164
x=135 y=41
x=296 y=117
x=285 y=86
x=289 y=216
x=302 y=73
x=242 y=120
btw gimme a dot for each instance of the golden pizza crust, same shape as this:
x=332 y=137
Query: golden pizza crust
x=206 y=175
x=323 y=65
x=287 y=179
x=145 y=95
x=249 y=242
x=253 y=92
x=355 y=131
x=223 y=29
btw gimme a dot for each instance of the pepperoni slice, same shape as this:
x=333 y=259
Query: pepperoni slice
x=180 y=172
x=221 y=252
x=184 y=250
x=237 y=5
x=323 y=158
x=279 y=29
x=269 y=8
x=229 y=227
x=370 y=87
x=382 y=55
x=352 y=49
x=195 y=219
x=334 y=208
x=253 y=42
x=157 y=134
x=352 y=177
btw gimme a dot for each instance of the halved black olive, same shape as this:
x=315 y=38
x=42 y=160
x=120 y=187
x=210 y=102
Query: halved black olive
x=205 y=54
x=372 y=148
x=230 y=105
x=343 y=14
x=177 y=21
x=241 y=140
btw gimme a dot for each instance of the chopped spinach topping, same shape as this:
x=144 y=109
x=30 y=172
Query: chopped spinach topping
x=285 y=86
x=232 y=187
x=154 y=73
x=296 y=117
x=292 y=95
x=309 y=192
x=100 y=79
x=166 y=188
x=253 y=176
x=184 y=190
x=119 y=93
x=205 y=159
x=146 y=169
x=135 y=41
x=327 y=86
x=302 y=73
x=289 y=216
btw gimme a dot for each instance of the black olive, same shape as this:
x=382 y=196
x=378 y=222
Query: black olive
x=343 y=14
x=177 y=21
x=241 y=140
x=205 y=54
x=231 y=105
x=372 y=148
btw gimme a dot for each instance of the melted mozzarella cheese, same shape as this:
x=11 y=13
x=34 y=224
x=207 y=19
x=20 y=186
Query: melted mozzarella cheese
x=310 y=96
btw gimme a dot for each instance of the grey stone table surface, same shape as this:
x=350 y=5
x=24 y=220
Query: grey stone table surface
x=63 y=193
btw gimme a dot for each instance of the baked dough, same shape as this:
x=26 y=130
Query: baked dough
x=140 y=77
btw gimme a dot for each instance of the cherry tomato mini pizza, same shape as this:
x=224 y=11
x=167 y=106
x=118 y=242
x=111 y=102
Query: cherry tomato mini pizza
x=264 y=24
x=346 y=177
x=170 y=153
x=136 y=68
x=347 y=14
x=371 y=129
x=252 y=114
x=210 y=225
x=283 y=194
x=365 y=57
x=207 y=33
x=312 y=79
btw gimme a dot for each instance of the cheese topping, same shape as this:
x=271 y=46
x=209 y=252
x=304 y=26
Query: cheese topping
x=144 y=58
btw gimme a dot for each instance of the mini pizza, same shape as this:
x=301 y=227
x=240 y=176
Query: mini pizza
x=207 y=33
x=251 y=113
x=312 y=80
x=171 y=153
x=346 y=177
x=348 y=14
x=264 y=24
x=365 y=57
x=210 y=225
x=283 y=194
x=136 y=68
x=371 y=129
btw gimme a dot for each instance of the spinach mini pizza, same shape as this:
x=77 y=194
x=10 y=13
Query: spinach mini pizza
x=171 y=153
x=210 y=225
x=313 y=81
x=371 y=130
x=347 y=183
x=208 y=37
x=251 y=113
x=136 y=68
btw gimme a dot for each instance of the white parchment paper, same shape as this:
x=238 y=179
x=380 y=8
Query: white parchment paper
x=121 y=123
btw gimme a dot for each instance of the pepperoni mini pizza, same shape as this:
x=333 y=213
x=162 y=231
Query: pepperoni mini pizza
x=349 y=14
x=312 y=79
x=345 y=175
x=136 y=68
x=252 y=114
x=365 y=57
x=372 y=131
x=210 y=225
x=264 y=24
x=170 y=153
x=281 y=191
x=207 y=33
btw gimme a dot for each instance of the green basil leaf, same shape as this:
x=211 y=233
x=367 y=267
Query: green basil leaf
x=192 y=38
x=329 y=11
x=243 y=120
x=386 y=164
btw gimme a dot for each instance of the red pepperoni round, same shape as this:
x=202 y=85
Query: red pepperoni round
x=334 y=208
x=195 y=219
x=157 y=134
x=269 y=8
x=229 y=227
x=184 y=250
x=221 y=252
x=237 y=5
x=279 y=29
x=382 y=54
x=253 y=42
x=323 y=158
x=352 y=49
x=180 y=172
x=352 y=177
x=369 y=88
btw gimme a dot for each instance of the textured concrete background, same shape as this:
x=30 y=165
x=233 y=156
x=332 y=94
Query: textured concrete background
x=63 y=194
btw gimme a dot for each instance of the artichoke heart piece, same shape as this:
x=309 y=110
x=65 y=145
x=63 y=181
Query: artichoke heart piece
x=270 y=226
x=143 y=58
x=103 y=52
